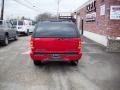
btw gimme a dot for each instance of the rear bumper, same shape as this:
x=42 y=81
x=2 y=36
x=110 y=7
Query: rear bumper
x=21 y=32
x=63 y=57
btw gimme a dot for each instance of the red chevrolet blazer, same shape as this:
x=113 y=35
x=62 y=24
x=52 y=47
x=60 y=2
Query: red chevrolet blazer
x=56 y=41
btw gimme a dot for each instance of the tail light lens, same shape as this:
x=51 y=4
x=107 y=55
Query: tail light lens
x=31 y=44
x=79 y=45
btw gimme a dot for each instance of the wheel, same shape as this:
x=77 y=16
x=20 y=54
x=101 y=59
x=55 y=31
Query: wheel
x=74 y=63
x=37 y=63
x=16 y=37
x=6 y=41
x=28 y=33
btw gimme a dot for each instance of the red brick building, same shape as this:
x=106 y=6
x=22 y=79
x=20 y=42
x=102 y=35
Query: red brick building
x=100 y=20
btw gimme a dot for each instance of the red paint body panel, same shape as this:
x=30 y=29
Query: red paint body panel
x=43 y=49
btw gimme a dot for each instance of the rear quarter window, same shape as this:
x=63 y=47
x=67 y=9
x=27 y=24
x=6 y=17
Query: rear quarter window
x=67 y=30
x=20 y=22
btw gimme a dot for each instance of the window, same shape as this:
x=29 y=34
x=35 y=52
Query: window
x=8 y=25
x=56 y=30
x=20 y=22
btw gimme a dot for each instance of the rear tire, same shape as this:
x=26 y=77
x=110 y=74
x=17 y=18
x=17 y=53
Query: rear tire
x=74 y=63
x=6 y=41
x=16 y=37
x=37 y=63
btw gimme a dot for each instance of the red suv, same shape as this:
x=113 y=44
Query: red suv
x=56 y=41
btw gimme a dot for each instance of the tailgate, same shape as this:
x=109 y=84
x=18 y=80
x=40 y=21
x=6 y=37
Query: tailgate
x=56 y=45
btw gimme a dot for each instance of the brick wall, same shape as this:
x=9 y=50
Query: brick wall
x=103 y=25
x=114 y=25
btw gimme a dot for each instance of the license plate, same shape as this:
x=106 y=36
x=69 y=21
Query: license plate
x=56 y=56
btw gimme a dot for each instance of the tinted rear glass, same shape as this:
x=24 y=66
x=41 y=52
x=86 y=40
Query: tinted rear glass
x=56 y=30
x=20 y=22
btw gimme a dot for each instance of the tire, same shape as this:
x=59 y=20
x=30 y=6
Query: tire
x=6 y=41
x=28 y=33
x=16 y=37
x=74 y=63
x=37 y=63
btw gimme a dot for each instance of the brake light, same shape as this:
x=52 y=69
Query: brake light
x=31 y=44
x=79 y=45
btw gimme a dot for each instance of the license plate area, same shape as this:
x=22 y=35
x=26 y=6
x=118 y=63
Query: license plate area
x=55 y=55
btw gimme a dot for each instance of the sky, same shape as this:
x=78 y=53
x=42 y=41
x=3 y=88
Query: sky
x=31 y=8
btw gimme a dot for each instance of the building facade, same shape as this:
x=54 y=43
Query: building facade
x=100 y=21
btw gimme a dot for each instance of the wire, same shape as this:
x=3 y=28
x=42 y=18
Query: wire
x=35 y=5
x=28 y=2
x=25 y=5
x=31 y=4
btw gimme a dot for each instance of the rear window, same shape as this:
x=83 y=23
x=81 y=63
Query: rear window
x=56 y=30
x=20 y=22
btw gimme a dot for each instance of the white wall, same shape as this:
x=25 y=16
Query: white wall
x=96 y=37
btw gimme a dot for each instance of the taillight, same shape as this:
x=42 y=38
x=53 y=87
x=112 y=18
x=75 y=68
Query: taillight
x=31 y=44
x=79 y=45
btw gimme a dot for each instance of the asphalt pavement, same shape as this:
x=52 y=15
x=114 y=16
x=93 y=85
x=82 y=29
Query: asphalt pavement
x=97 y=70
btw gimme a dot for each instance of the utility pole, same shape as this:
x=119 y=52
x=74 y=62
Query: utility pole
x=58 y=4
x=2 y=10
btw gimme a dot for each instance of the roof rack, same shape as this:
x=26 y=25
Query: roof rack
x=67 y=18
x=59 y=20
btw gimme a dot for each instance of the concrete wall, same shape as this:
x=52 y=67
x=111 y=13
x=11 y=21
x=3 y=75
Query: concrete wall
x=101 y=39
x=113 y=46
